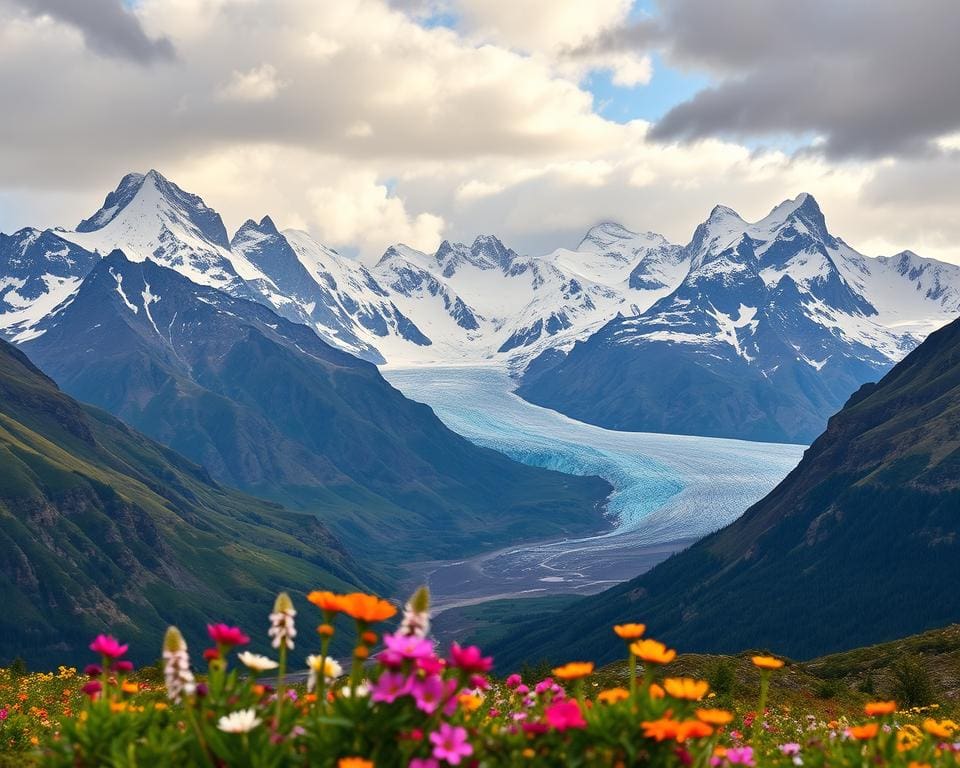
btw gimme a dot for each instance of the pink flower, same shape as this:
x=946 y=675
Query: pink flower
x=410 y=646
x=479 y=682
x=391 y=686
x=431 y=665
x=543 y=686
x=565 y=714
x=93 y=670
x=424 y=762
x=122 y=667
x=109 y=646
x=4 y=713
x=92 y=688
x=222 y=634
x=470 y=659
x=450 y=743
x=514 y=680
x=740 y=756
x=428 y=694
x=522 y=689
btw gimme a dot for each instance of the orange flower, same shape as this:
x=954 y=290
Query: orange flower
x=574 y=670
x=692 y=729
x=653 y=652
x=686 y=688
x=326 y=601
x=366 y=608
x=354 y=762
x=128 y=687
x=630 y=631
x=325 y=630
x=714 y=716
x=943 y=730
x=656 y=691
x=661 y=730
x=879 y=708
x=862 y=732
x=613 y=695
x=470 y=701
x=767 y=662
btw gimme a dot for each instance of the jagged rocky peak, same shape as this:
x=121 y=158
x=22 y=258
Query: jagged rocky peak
x=157 y=192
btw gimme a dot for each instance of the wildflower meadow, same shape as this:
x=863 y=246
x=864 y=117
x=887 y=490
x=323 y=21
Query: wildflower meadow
x=400 y=701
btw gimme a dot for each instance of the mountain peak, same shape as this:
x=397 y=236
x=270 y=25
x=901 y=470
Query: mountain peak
x=268 y=227
x=721 y=212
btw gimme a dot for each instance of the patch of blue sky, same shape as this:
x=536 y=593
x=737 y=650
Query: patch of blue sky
x=667 y=88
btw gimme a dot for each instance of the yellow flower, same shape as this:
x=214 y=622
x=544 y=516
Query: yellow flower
x=714 y=716
x=879 y=708
x=630 y=631
x=574 y=670
x=613 y=695
x=686 y=688
x=470 y=701
x=942 y=730
x=129 y=687
x=767 y=662
x=653 y=652
x=908 y=737
x=354 y=762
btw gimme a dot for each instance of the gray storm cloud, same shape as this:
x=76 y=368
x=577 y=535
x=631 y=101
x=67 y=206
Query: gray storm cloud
x=107 y=28
x=873 y=78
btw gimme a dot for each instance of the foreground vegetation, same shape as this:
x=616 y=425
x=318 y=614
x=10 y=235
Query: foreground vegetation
x=400 y=702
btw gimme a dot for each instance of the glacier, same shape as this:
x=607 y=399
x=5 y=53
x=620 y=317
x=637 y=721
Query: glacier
x=669 y=490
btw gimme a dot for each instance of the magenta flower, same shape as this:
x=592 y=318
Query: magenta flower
x=740 y=756
x=93 y=670
x=470 y=659
x=391 y=686
x=543 y=686
x=791 y=748
x=430 y=665
x=4 y=713
x=513 y=681
x=424 y=762
x=450 y=743
x=563 y=715
x=428 y=693
x=223 y=634
x=92 y=688
x=409 y=647
x=109 y=646
x=122 y=667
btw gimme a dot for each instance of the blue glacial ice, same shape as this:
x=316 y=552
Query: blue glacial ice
x=668 y=489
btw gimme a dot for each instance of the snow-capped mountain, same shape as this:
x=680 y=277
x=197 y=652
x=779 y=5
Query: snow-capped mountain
x=38 y=271
x=772 y=328
x=484 y=302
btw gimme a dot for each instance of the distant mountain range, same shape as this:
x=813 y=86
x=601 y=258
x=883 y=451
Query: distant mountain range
x=267 y=406
x=773 y=326
x=754 y=330
x=859 y=544
x=104 y=530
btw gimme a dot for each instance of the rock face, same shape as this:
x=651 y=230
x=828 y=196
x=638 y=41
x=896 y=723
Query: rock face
x=858 y=545
x=267 y=406
x=102 y=529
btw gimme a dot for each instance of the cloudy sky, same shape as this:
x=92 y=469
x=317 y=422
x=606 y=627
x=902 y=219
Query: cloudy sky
x=370 y=122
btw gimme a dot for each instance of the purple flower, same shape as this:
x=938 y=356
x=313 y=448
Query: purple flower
x=450 y=743
x=428 y=694
x=391 y=686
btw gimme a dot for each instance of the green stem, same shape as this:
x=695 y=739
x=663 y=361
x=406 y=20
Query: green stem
x=281 y=673
x=322 y=675
x=761 y=705
x=196 y=729
x=633 y=681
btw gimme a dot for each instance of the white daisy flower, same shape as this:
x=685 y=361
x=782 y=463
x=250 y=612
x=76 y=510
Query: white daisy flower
x=241 y=721
x=256 y=662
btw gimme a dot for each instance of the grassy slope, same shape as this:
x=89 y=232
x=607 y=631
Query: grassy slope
x=103 y=529
x=859 y=544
